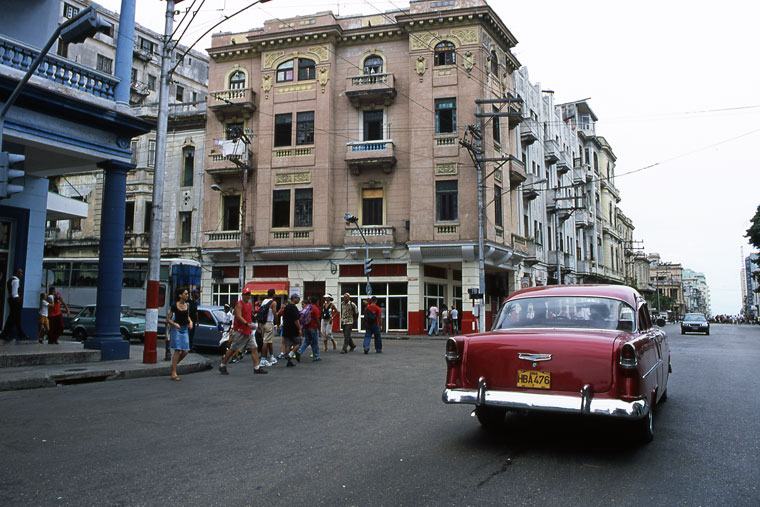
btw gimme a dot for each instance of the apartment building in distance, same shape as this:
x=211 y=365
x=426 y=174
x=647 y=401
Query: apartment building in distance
x=750 y=285
x=667 y=280
x=696 y=293
x=363 y=115
x=185 y=160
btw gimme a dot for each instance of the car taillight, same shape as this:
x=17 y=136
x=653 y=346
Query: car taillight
x=452 y=351
x=628 y=356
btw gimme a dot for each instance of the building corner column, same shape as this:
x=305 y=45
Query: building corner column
x=107 y=337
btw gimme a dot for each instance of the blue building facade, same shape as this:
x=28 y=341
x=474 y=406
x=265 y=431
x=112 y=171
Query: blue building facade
x=68 y=118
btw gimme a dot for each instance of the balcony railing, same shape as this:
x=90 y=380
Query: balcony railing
x=223 y=236
x=446 y=229
x=221 y=164
x=19 y=56
x=375 y=234
x=551 y=151
x=371 y=88
x=528 y=132
x=235 y=102
x=380 y=153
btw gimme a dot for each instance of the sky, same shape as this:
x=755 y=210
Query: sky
x=675 y=86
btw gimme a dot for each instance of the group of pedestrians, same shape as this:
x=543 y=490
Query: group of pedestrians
x=301 y=323
x=449 y=320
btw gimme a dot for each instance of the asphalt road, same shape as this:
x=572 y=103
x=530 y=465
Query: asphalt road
x=371 y=430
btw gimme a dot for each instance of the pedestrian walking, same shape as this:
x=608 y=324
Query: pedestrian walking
x=241 y=336
x=328 y=313
x=14 y=310
x=291 y=329
x=444 y=319
x=433 y=318
x=226 y=323
x=454 y=318
x=55 y=317
x=309 y=318
x=44 y=325
x=349 y=314
x=179 y=323
x=373 y=318
x=265 y=318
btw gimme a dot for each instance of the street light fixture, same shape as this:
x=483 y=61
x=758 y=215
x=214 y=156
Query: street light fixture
x=351 y=219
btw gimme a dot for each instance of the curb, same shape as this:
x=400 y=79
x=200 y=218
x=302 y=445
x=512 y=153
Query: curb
x=55 y=379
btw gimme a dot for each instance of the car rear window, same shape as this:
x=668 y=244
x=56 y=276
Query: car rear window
x=567 y=312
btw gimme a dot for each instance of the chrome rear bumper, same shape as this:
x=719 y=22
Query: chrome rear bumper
x=582 y=403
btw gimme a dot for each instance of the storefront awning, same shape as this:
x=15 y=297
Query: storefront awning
x=258 y=288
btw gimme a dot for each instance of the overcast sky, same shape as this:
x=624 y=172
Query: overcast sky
x=675 y=86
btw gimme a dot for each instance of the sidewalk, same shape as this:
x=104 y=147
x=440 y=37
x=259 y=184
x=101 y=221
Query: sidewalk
x=30 y=365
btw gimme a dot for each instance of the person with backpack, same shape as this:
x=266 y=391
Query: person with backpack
x=373 y=317
x=348 y=317
x=309 y=318
x=328 y=313
x=291 y=329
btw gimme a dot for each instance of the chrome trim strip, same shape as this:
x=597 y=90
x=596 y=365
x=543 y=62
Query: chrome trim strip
x=658 y=363
x=586 y=395
x=564 y=403
x=534 y=357
x=481 y=399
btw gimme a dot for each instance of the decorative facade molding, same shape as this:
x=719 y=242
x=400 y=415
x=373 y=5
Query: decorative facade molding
x=292 y=178
x=447 y=169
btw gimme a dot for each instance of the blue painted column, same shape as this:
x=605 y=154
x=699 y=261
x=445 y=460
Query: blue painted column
x=111 y=264
x=125 y=38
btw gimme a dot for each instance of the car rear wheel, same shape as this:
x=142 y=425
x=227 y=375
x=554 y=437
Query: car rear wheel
x=644 y=428
x=80 y=334
x=490 y=417
x=124 y=334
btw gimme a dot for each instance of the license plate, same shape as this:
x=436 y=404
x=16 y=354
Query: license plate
x=534 y=379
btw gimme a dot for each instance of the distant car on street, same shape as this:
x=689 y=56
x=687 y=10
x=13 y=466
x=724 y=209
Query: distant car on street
x=585 y=349
x=695 y=323
x=209 y=330
x=130 y=325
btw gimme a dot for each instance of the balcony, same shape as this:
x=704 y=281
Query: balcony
x=375 y=234
x=582 y=267
x=51 y=233
x=528 y=132
x=227 y=236
x=514 y=110
x=582 y=219
x=551 y=151
x=562 y=166
x=232 y=103
x=371 y=155
x=533 y=253
x=221 y=165
x=19 y=56
x=369 y=89
x=517 y=172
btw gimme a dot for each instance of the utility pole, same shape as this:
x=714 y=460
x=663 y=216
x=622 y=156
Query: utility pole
x=154 y=252
x=238 y=136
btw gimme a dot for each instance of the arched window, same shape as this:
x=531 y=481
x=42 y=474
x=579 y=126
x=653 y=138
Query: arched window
x=306 y=69
x=237 y=80
x=494 y=64
x=444 y=54
x=373 y=65
x=285 y=72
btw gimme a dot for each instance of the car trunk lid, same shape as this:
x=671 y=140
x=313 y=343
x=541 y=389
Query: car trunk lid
x=573 y=358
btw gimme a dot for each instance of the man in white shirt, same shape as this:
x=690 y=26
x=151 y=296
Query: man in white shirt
x=14 y=313
x=433 y=316
x=454 y=317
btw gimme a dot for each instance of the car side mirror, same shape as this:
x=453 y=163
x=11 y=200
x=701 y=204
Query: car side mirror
x=660 y=322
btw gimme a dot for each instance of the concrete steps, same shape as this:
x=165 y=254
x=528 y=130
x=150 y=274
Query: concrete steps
x=20 y=354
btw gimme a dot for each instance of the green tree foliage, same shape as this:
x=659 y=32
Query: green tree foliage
x=753 y=233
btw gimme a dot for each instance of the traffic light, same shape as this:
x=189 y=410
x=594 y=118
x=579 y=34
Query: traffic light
x=88 y=24
x=7 y=161
x=367 y=266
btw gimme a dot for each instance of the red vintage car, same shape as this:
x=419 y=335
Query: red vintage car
x=582 y=349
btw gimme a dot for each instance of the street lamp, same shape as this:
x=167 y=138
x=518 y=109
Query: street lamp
x=241 y=266
x=351 y=219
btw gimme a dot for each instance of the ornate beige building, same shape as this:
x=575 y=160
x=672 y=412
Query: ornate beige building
x=364 y=115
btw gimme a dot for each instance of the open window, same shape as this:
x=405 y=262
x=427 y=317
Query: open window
x=445 y=54
x=237 y=80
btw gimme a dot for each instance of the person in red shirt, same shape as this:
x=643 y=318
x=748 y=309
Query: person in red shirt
x=310 y=330
x=373 y=318
x=241 y=334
